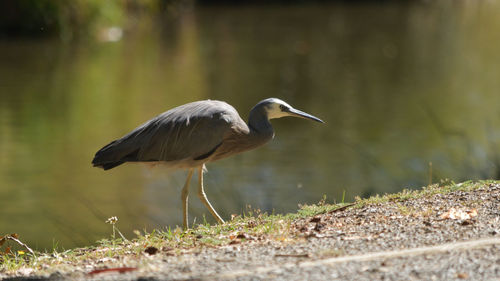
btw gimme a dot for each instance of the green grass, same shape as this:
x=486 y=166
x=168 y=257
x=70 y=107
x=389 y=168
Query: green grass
x=426 y=191
x=251 y=226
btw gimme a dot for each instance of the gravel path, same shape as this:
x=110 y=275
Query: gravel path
x=478 y=256
x=442 y=237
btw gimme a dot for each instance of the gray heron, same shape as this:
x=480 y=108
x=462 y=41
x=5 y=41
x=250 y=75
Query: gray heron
x=193 y=134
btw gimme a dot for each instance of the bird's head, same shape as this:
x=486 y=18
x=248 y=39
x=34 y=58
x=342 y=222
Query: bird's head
x=276 y=108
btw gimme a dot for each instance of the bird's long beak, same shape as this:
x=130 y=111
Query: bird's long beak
x=301 y=114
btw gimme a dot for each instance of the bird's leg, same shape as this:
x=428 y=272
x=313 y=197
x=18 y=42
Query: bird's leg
x=184 y=198
x=203 y=197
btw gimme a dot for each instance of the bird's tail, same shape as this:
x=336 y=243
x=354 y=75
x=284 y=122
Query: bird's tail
x=112 y=155
x=107 y=166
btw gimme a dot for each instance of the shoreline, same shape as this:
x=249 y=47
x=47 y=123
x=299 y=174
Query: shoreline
x=397 y=231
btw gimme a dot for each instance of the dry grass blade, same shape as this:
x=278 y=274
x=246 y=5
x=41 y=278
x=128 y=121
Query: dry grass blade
x=293 y=255
x=14 y=237
x=342 y=208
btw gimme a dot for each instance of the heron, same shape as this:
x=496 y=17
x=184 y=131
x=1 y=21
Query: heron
x=194 y=134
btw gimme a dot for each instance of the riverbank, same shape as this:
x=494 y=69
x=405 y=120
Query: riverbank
x=446 y=231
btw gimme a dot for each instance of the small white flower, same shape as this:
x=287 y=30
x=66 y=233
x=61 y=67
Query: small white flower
x=112 y=220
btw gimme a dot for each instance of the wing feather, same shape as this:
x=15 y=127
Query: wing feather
x=185 y=132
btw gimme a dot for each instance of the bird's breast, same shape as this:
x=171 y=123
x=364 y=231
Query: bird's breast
x=238 y=143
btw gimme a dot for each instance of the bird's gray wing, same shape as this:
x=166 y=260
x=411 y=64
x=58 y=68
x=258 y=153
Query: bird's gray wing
x=191 y=131
x=190 y=135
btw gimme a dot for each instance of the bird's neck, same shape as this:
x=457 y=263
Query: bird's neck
x=259 y=124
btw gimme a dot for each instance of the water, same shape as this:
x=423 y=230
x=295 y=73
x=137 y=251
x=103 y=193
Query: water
x=399 y=85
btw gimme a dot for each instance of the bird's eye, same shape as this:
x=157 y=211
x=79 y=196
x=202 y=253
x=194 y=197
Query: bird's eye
x=282 y=107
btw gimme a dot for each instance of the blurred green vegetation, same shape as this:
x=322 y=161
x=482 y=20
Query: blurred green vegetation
x=68 y=18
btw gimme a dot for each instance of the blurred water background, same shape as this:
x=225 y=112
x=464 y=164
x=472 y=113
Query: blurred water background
x=400 y=85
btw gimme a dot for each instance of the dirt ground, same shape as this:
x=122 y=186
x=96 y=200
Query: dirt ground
x=454 y=236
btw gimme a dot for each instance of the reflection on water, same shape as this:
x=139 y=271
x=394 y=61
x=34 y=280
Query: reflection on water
x=399 y=86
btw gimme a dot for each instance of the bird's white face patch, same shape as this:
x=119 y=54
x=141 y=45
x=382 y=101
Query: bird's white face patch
x=274 y=108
